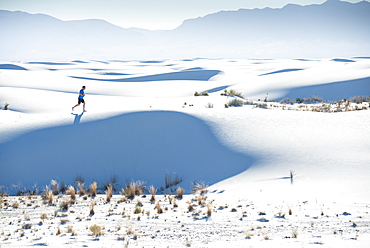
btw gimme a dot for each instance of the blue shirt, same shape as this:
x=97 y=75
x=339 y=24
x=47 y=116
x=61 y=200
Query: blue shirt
x=82 y=93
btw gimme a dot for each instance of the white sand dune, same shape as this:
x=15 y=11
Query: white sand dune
x=143 y=121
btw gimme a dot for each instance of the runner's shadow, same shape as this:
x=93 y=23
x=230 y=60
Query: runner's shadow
x=77 y=118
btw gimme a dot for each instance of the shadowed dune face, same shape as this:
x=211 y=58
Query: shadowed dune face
x=136 y=146
x=11 y=67
x=201 y=75
x=333 y=91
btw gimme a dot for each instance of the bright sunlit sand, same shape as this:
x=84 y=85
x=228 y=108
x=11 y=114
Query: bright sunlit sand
x=278 y=174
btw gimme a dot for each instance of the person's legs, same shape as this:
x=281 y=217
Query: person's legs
x=83 y=106
x=75 y=106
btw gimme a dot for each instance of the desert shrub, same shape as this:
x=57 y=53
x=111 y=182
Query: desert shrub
x=360 y=99
x=180 y=193
x=298 y=100
x=294 y=233
x=205 y=93
x=152 y=191
x=96 y=230
x=109 y=192
x=159 y=208
x=6 y=106
x=209 y=105
x=209 y=209
x=47 y=196
x=235 y=102
x=137 y=209
x=92 y=212
x=313 y=99
x=171 y=179
x=287 y=101
x=72 y=192
x=54 y=183
x=64 y=205
x=81 y=186
x=133 y=189
x=200 y=187
x=232 y=92
x=196 y=93
x=94 y=189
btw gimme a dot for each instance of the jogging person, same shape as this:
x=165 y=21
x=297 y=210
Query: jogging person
x=81 y=99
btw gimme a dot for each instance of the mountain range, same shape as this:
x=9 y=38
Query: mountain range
x=331 y=29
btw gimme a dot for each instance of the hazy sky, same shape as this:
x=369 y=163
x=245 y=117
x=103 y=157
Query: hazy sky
x=148 y=14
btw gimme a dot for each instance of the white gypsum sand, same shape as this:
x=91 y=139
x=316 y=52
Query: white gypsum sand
x=276 y=177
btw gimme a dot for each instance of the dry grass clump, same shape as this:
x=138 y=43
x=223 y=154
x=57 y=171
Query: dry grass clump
x=133 y=189
x=109 y=192
x=209 y=209
x=47 y=196
x=180 y=192
x=152 y=191
x=72 y=192
x=96 y=230
x=64 y=205
x=94 y=189
x=294 y=233
x=92 y=212
x=81 y=188
x=171 y=179
x=200 y=187
x=159 y=208
x=54 y=183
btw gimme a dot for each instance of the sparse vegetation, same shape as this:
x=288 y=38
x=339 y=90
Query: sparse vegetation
x=180 y=192
x=109 y=192
x=152 y=191
x=94 y=189
x=209 y=105
x=171 y=179
x=96 y=230
x=232 y=92
x=6 y=106
x=235 y=102
x=133 y=189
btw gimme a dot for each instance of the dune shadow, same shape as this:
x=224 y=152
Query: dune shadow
x=11 y=67
x=281 y=71
x=200 y=75
x=49 y=63
x=332 y=91
x=343 y=60
x=136 y=146
x=217 y=89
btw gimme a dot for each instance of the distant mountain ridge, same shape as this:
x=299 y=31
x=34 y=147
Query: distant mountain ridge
x=331 y=29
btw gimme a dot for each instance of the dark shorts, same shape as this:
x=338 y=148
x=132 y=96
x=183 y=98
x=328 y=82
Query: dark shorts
x=80 y=100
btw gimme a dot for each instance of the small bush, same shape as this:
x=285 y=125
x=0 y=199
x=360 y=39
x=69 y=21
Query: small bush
x=72 y=192
x=96 y=230
x=200 y=187
x=159 y=208
x=196 y=93
x=109 y=192
x=313 y=99
x=133 y=189
x=235 y=102
x=94 y=189
x=152 y=191
x=287 y=101
x=209 y=105
x=6 y=106
x=360 y=99
x=180 y=193
x=171 y=179
x=137 y=209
